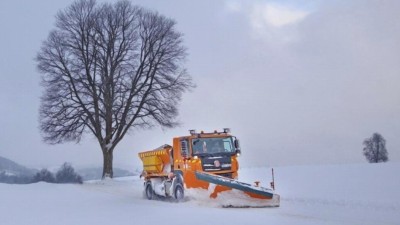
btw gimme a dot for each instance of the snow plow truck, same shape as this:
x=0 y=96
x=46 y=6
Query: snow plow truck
x=206 y=161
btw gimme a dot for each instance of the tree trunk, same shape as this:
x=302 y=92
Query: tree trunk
x=108 y=164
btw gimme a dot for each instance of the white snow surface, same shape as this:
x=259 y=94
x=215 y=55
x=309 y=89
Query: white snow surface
x=321 y=194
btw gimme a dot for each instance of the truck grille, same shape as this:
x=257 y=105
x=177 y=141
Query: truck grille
x=217 y=163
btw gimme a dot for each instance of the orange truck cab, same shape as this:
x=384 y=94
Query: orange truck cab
x=214 y=153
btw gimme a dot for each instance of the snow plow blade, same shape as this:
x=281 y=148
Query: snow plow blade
x=255 y=196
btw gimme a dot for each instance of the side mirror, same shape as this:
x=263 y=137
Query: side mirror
x=237 y=145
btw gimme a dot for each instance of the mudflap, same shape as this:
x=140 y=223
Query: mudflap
x=239 y=194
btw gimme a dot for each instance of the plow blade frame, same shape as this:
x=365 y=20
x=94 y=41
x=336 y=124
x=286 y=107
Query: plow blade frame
x=260 y=192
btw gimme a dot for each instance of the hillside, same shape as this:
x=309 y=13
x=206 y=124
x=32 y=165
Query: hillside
x=324 y=194
x=12 y=172
x=12 y=168
x=95 y=173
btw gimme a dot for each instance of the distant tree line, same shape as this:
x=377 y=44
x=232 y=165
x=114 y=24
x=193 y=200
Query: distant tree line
x=14 y=179
x=66 y=174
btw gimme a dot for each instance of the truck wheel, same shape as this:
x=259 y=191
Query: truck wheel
x=149 y=191
x=179 y=194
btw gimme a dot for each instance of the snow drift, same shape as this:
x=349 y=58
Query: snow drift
x=320 y=194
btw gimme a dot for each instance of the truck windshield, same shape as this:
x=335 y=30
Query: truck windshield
x=212 y=145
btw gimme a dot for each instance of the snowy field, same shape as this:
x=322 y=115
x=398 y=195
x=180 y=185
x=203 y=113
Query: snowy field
x=324 y=194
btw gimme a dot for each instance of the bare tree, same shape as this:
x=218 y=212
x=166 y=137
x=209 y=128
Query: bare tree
x=108 y=68
x=375 y=149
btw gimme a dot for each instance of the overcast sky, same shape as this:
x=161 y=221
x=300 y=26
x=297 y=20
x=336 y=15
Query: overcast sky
x=298 y=82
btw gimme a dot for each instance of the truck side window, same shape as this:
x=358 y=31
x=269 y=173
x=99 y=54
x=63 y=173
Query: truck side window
x=184 y=148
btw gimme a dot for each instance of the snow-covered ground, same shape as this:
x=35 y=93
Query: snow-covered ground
x=324 y=194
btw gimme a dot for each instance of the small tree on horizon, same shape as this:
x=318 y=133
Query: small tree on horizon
x=108 y=68
x=67 y=174
x=375 y=149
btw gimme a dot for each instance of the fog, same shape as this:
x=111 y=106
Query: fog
x=298 y=82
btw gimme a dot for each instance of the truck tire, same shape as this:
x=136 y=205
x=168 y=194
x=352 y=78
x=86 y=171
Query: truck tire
x=149 y=191
x=179 y=194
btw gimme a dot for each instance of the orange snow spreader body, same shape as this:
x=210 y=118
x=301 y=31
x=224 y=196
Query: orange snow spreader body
x=203 y=161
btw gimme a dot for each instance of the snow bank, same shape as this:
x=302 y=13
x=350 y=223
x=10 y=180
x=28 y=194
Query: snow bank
x=348 y=194
x=333 y=194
